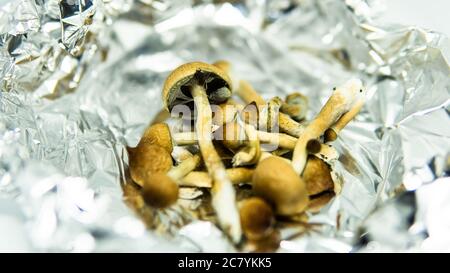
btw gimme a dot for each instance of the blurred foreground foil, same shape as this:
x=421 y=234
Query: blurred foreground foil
x=81 y=79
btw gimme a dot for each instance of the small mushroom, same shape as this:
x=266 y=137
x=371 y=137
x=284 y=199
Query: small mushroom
x=257 y=218
x=146 y=159
x=338 y=104
x=332 y=132
x=159 y=187
x=204 y=82
x=296 y=106
x=203 y=180
x=276 y=182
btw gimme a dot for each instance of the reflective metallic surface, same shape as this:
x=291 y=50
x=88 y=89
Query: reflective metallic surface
x=81 y=79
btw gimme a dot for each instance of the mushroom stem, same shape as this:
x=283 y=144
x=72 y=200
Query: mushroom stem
x=332 y=132
x=287 y=125
x=184 y=167
x=203 y=180
x=338 y=104
x=223 y=195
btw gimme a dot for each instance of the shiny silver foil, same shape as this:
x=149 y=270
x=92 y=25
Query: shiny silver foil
x=81 y=79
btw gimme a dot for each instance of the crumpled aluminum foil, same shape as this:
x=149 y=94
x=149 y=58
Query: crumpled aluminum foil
x=81 y=80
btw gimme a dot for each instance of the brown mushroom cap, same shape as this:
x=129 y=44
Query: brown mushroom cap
x=317 y=176
x=146 y=159
x=159 y=190
x=209 y=76
x=276 y=181
x=159 y=134
x=257 y=218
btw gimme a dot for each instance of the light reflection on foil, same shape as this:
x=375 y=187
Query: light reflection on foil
x=62 y=156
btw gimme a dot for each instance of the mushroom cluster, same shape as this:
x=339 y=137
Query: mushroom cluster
x=257 y=163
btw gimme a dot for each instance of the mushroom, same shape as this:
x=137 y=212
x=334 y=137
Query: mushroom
x=276 y=182
x=338 y=104
x=151 y=166
x=148 y=158
x=332 y=132
x=203 y=180
x=286 y=124
x=203 y=82
x=296 y=106
x=257 y=218
x=160 y=189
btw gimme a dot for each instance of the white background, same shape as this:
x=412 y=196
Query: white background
x=430 y=14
